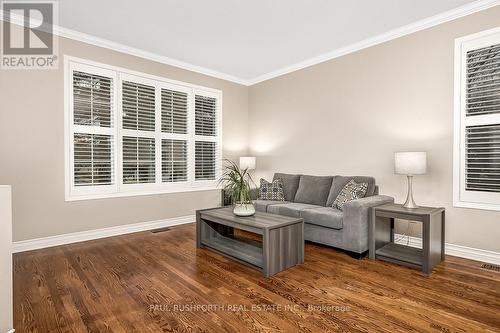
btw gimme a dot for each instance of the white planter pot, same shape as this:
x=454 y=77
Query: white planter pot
x=246 y=209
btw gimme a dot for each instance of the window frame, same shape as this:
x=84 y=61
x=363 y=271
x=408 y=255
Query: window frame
x=462 y=197
x=118 y=188
x=205 y=138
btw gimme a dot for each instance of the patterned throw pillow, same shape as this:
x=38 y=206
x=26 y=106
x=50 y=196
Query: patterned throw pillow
x=271 y=191
x=351 y=191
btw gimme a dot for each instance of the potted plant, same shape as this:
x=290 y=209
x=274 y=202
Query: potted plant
x=237 y=183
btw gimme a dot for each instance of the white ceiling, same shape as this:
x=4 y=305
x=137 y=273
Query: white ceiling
x=245 y=39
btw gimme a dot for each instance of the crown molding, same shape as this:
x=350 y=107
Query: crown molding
x=89 y=39
x=105 y=43
x=426 y=23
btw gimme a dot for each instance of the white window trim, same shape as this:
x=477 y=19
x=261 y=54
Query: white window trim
x=461 y=197
x=118 y=189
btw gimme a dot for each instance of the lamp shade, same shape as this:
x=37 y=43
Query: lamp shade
x=410 y=163
x=247 y=163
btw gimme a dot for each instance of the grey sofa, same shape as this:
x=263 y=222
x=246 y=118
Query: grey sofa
x=311 y=197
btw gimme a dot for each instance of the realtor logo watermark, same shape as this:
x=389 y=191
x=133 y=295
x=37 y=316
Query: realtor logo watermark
x=28 y=40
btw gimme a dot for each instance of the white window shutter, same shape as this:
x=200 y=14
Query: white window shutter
x=205 y=160
x=476 y=163
x=92 y=100
x=483 y=158
x=205 y=115
x=93 y=154
x=482 y=142
x=93 y=160
x=138 y=160
x=138 y=105
x=129 y=133
x=206 y=132
x=174 y=160
x=483 y=81
x=174 y=111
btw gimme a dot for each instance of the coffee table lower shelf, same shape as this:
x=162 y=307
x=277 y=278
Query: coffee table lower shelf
x=244 y=250
x=401 y=254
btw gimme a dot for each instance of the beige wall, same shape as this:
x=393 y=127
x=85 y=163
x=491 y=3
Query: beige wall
x=344 y=116
x=32 y=149
x=348 y=115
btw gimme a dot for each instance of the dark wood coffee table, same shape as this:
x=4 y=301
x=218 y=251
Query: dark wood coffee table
x=282 y=244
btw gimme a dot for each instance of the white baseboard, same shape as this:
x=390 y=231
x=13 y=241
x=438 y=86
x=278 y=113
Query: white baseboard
x=75 y=237
x=40 y=243
x=454 y=250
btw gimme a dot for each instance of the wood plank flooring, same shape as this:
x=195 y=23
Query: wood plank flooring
x=149 y=282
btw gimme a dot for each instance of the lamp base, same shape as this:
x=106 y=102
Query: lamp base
x=410 y=203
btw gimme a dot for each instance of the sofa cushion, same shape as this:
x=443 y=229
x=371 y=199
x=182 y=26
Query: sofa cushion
x=271 y=191
x=290 y=184
x=261 y=205
x=292 y=209
x=339 y=182
x=351 y=191
x=313 y=190
x=327 y=217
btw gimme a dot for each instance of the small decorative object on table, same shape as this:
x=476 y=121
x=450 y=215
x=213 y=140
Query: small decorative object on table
x=410 y=163
x=236 y=182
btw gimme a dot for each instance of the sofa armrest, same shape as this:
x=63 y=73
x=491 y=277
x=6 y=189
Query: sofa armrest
x=356 y=220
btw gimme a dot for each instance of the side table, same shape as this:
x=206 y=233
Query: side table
x=381 y=236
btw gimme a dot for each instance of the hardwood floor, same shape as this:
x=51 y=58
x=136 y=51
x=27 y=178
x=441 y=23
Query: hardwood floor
x=133 y=283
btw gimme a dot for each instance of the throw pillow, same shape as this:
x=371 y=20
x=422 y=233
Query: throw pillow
x=271 y=191
x=350 y=191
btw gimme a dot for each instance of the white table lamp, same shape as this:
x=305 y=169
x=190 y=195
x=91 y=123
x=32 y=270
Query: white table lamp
x=410 y=164
x=247 y=163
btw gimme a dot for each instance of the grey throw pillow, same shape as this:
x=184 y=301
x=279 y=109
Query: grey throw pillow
x=271 y=191
x=350 y=191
